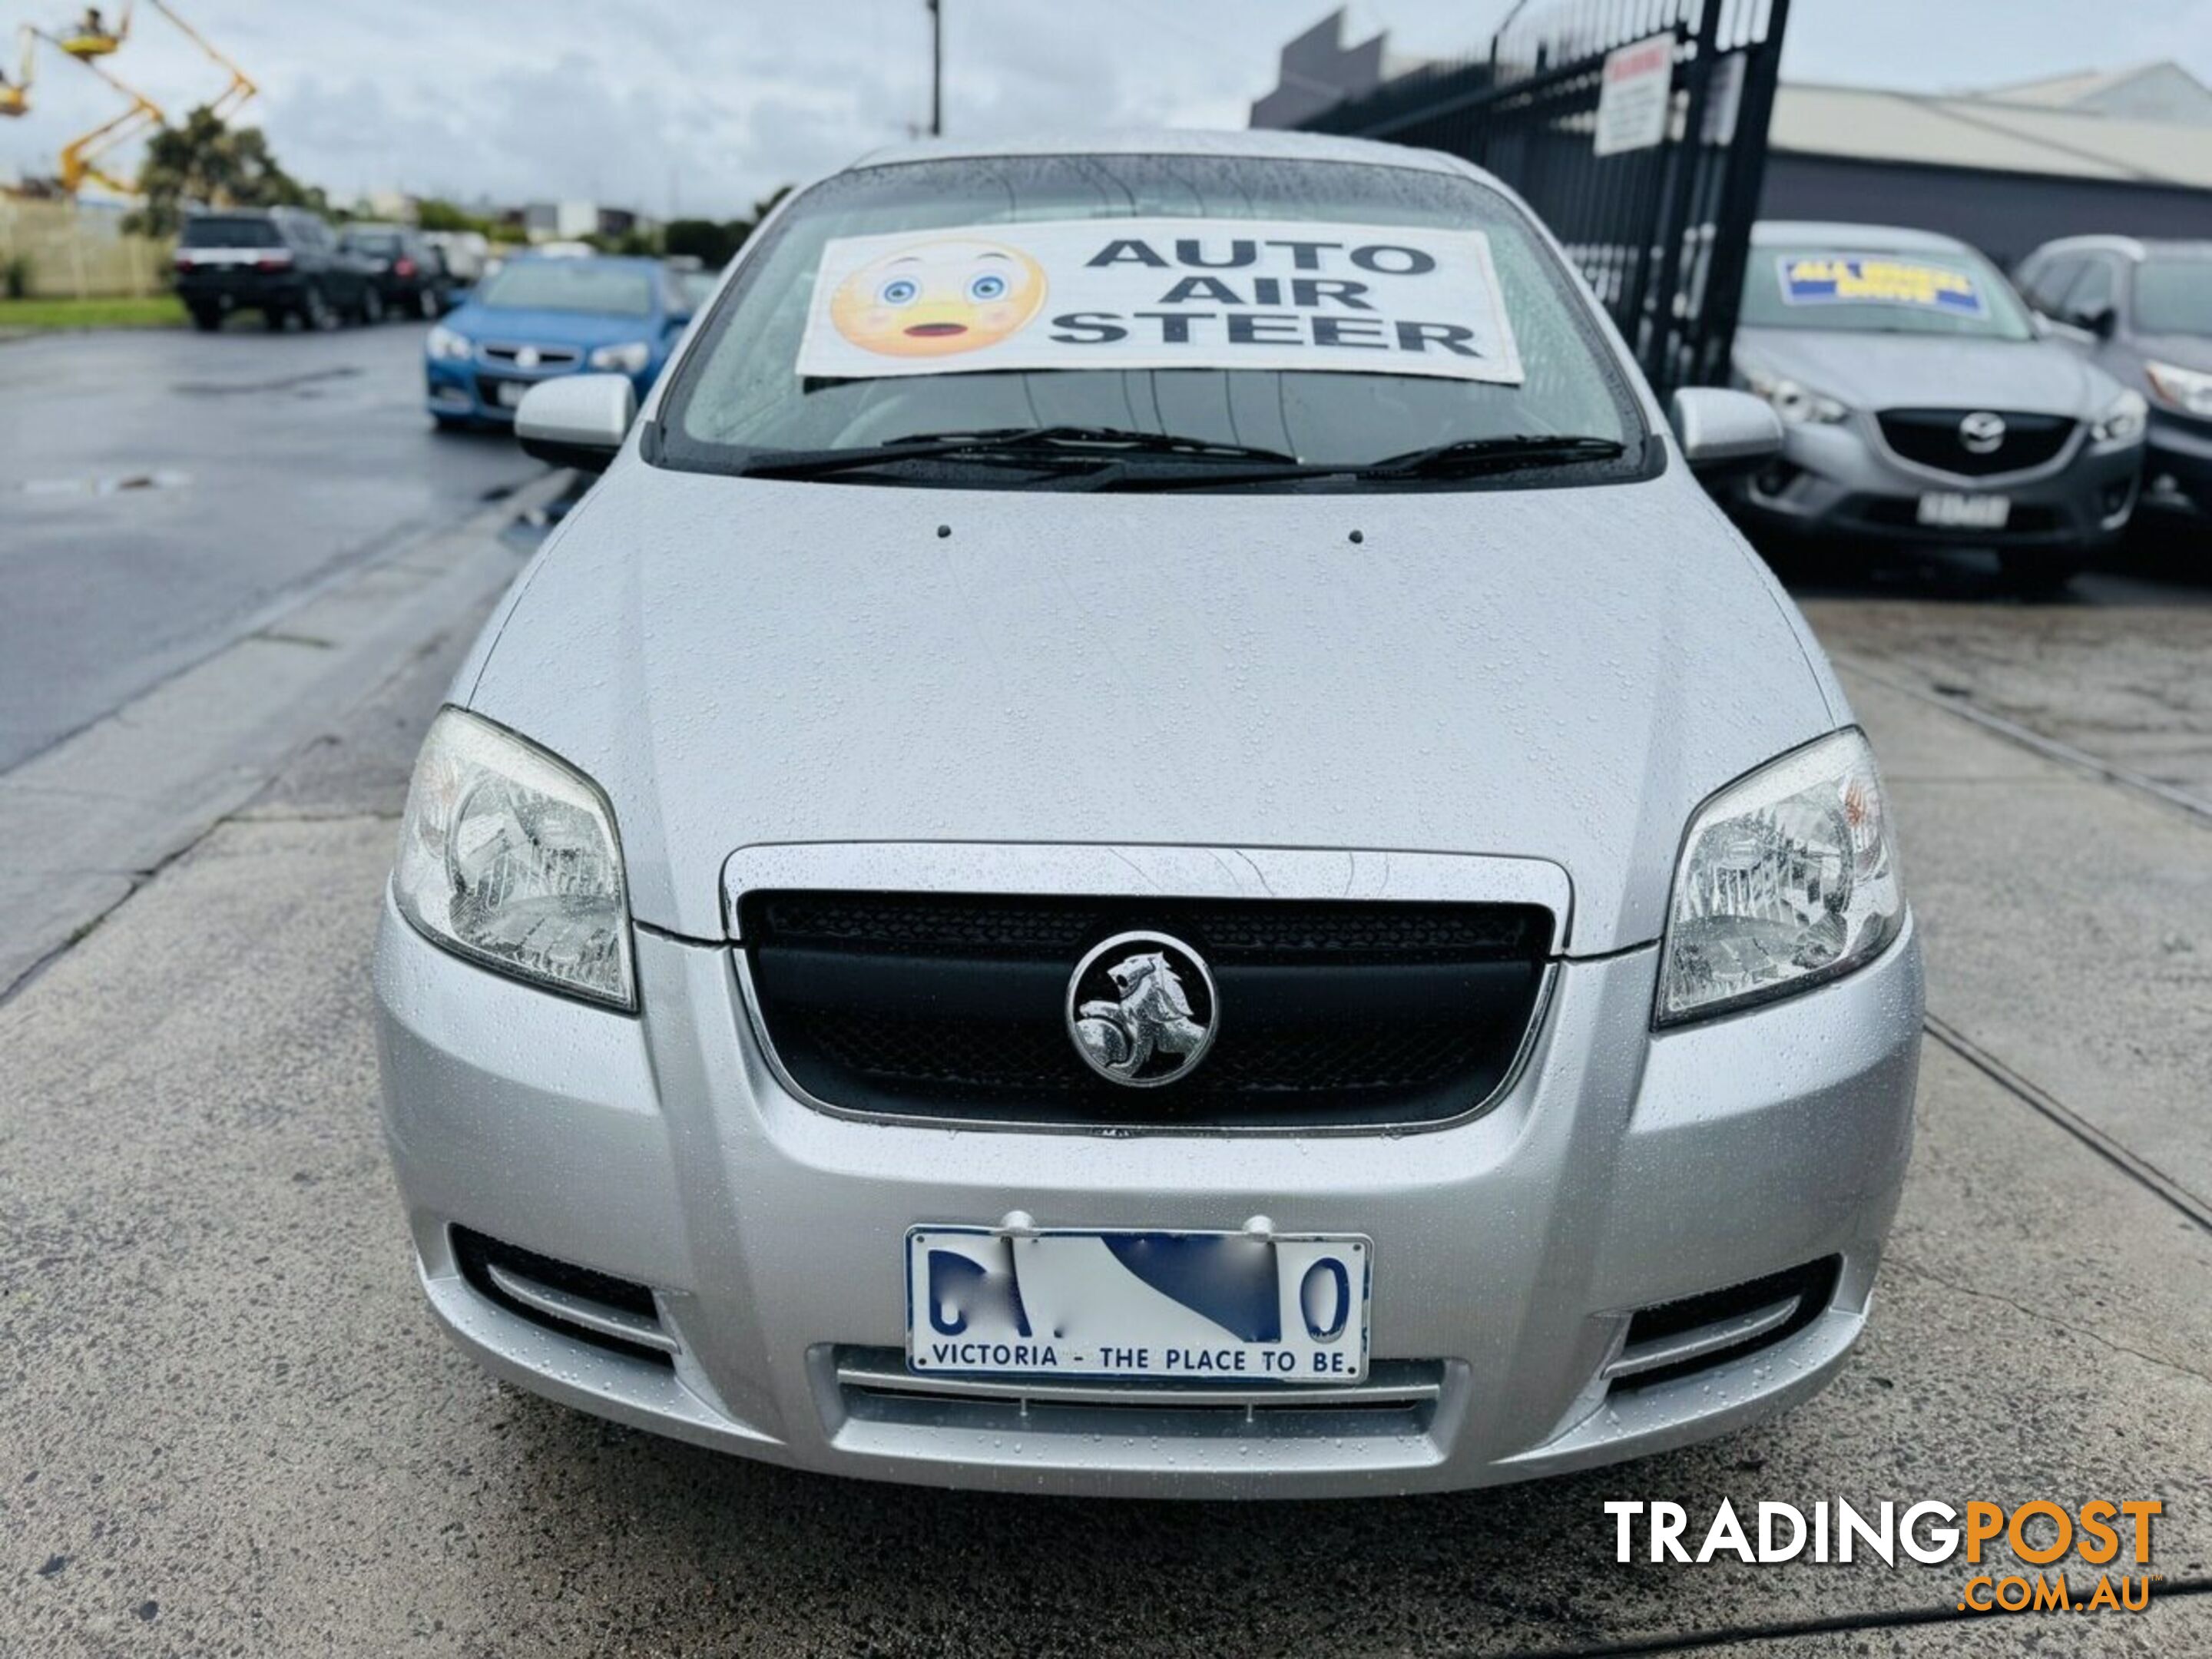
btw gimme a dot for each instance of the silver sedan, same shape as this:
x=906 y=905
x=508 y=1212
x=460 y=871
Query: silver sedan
x=1923 y=404
x=1226 y=883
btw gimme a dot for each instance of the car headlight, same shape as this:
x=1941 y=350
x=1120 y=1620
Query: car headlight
x=2124 y=422
x=2189 y=389
x=444 y=344
x=629 y=359
x=508 y=857
x=1795 y=403
x=1787 y=879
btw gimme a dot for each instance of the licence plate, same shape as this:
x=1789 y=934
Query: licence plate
x=1956 y=509
x=1162 y=1306
x=509 y=392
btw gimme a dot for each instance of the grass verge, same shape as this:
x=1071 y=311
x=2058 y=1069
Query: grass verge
x=161 y=310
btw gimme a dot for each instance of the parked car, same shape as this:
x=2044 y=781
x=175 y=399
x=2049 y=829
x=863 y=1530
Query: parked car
x=1056 y=887
x=537 y=318
x=697 y=283
x=284 y=263
x=409 y=273
x=2143 y=312
x=464 y=251
x=1921 y=405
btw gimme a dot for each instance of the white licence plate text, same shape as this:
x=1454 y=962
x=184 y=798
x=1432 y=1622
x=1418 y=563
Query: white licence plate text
x=1956 y=509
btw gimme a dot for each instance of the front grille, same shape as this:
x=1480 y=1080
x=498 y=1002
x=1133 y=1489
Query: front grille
x=1700 y=1328
x=590 y=1306
x=1330 y=1013
x=1400 y=1398
x=1931 y=437
x=548 y=357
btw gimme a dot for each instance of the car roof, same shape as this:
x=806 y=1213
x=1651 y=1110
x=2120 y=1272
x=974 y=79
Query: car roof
x=2133 y=247
x=1259 y=145
x=1881 y=238
x=642 y=262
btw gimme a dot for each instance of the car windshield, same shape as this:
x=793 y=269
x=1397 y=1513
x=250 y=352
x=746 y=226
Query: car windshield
x=2174 y=296
x=1951 y=291
x=569 y=285
x=208 y=230
x=1155 y=240
x=373 y=241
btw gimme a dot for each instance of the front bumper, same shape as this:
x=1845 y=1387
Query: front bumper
x=1842 y=480
x=464 y=389
x=1621 y=1170
x=2178 y=465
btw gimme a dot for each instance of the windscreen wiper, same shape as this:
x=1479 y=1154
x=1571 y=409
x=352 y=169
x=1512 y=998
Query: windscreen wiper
x=1463 y=456
x=1013 y=445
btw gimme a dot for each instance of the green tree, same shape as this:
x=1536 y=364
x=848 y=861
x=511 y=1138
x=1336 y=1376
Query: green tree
x=707 y=241
x=713 y=241
x=206 y=160
x=433 y=213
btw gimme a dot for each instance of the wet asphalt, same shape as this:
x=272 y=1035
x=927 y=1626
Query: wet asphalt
x=161 y=490
x=228 y=1427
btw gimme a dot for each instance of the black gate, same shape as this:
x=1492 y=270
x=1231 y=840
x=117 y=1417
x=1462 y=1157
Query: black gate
x=1661 y=221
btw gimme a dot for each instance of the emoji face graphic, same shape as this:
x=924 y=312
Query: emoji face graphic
x=937 y=298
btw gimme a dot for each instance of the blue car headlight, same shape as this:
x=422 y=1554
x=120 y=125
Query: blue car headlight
x=628 y=358
x=445 y=345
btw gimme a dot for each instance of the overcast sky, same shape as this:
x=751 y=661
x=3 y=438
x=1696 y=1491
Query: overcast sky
x=701 y=108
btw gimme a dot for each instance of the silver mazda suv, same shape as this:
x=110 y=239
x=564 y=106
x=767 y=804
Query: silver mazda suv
x=1148 y=839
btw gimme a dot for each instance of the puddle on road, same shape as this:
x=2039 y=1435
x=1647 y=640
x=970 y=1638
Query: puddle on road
x=114 y=484
x=281 y=383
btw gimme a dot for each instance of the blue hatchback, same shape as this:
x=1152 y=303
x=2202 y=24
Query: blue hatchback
x=542 y=316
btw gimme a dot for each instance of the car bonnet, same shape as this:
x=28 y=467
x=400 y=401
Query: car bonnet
x=1556 y=673
x=1872 y=371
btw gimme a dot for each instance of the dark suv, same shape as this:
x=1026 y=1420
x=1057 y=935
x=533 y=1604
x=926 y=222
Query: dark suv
x=409 y=273
x=2143 y=310
x=281 y=262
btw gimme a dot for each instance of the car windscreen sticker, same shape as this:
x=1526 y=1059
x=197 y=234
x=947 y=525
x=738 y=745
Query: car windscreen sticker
x=1143 y=294
x=1823 y=279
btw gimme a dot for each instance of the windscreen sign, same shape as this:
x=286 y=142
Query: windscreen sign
x=1144 y=294
x=1825 y=279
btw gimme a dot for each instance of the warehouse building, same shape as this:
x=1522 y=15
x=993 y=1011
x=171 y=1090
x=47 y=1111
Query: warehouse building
x=2128 y=151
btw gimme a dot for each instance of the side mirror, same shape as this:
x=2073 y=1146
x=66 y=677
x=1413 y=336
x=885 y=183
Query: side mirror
x=579 y=420
x=1725 y=431
x=2101 y=322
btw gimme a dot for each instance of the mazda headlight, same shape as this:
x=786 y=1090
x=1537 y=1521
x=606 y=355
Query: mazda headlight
x=1794 y=403
x=2189 y=389
x=2124 y=422
x=444 y=344
x=508 y=857
x=1787 y=879
x=627 y=359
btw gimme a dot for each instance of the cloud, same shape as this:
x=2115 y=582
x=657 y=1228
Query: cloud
x=645 y=103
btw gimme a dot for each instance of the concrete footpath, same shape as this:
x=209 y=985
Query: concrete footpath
x=92 y=817
x=227 y=1426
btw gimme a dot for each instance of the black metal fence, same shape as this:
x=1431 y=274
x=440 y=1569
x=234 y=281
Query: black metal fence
x=1661 y=228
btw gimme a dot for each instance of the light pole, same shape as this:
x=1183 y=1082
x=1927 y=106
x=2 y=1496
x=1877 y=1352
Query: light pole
x=936 y=70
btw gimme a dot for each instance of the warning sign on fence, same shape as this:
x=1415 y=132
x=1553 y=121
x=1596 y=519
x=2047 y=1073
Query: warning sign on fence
x=1632 y=102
